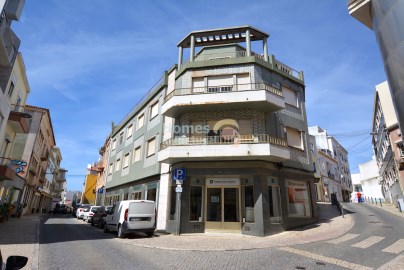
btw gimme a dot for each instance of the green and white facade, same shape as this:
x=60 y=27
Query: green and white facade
x=234 y=122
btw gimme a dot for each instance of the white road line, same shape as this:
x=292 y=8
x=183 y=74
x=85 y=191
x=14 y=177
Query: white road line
x=334 y=261
x=369 y=242
x=395 y=264
x=395 y=248
x=343 y=238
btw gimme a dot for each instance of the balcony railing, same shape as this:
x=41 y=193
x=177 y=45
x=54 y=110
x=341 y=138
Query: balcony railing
x=224 y=139
x=223 y=89
x=286 y=69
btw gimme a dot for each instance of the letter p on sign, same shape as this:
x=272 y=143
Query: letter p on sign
x=179 y=175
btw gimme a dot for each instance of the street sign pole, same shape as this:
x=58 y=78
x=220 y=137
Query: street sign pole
x=179 y=175
x=178 y=213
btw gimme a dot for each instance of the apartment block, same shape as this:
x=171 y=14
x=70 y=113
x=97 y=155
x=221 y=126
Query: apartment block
x=232 y=123
x=337 y=155
x=387 y=145
x=367 y=181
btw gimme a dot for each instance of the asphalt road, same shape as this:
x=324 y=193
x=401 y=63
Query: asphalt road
x=67 y=243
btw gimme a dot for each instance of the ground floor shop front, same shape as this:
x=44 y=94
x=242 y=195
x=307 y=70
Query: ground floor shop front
x=254 y=198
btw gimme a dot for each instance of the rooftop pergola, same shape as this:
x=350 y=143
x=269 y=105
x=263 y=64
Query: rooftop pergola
x=222 y=36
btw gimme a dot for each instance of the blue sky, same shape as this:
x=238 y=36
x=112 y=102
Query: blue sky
x=90 y=61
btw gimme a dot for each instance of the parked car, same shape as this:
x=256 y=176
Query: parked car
x=60 y=208
x=131 y=216
x=81 y=209
x=99 y=216
x=88 y=214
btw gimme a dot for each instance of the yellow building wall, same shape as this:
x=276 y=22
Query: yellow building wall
x=89 y=195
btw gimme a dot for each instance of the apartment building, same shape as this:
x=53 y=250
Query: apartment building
x=233 y=122
x=89 y=185
x=102 y=172
x=329 y=146
x=37 y=147
x=367 y=181
x=386 y=19
x=14 y=121
x=386 y=140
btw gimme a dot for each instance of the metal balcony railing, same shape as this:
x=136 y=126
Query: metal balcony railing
x=224 y=139
x=223 y=89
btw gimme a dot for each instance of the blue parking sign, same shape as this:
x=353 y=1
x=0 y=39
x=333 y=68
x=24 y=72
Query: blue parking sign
x=179 y=174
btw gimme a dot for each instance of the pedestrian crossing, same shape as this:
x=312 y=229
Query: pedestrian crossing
x=396 y=248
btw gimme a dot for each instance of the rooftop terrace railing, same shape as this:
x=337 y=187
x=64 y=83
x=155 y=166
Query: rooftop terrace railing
x=223 y=89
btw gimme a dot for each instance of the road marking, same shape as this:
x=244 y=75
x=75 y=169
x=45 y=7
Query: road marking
x=395 y=264
x=334 y=261
x=343 y=238
x=396 y=248
x=369 y=242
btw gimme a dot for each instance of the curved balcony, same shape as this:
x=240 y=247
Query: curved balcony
x=261 y=96
x=242 y=147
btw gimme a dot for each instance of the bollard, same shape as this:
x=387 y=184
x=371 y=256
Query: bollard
x=376 y=201
x=380 y=201
x=371 y=199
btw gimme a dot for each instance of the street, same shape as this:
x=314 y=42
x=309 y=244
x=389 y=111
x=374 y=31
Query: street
x=376 y=238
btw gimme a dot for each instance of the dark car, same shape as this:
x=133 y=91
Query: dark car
x=60 y=208
x=98 y=218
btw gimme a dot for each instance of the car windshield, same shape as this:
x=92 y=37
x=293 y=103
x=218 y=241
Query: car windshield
x=94 y=209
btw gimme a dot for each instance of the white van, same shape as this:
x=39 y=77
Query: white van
x=131 y=216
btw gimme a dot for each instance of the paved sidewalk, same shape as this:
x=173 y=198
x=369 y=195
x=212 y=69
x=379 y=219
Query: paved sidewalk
x=331 y=226
x=388 y=207
x=20 y=236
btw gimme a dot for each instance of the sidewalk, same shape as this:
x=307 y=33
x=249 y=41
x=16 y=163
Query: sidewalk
x=331 y=226
x=20 y=236
x=388 y=207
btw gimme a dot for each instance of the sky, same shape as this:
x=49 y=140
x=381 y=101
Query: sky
x=91 y=61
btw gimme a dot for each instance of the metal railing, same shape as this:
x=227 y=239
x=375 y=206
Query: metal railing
x=224 y=139
x=224 y=89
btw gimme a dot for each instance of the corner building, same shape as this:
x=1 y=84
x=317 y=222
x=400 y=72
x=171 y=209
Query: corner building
x=235 y=123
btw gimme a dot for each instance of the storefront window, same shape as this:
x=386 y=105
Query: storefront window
x=151 y=194
x=274 y=201
x=137 y=195
x=298 y=199
x=125 y=196
x=172 y=203
x=195 y=203
x=248 y=203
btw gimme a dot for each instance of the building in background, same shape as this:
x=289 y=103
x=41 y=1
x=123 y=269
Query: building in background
x=331 y=147
x=232 y=123
x=367 y=181
x=386 y=139
x=89 y=185
x=386 y=19
x=14 y=124
x=102 y=172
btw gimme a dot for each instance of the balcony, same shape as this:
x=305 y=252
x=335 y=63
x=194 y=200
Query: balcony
x=243 y=147
x=9 y=43
x=243 y=96
x=101 y=165
x=18 y=119
x=360 y=10
x=60 y=177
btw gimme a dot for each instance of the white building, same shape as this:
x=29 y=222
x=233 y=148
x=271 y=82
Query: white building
x=367 y=181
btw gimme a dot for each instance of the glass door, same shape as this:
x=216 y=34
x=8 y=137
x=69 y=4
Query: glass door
x=223 y=209
x=274 y=200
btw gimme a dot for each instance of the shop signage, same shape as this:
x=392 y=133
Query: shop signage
x=223 y=181
x=296 y=184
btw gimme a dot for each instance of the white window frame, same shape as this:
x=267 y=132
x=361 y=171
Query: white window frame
x=154 y=110
x=126 y=160
x=129 y=131
x=118 y=165
x=114 y=144
x=138 y=149
x=148 y=154
x=111 y=168
x=140 y=121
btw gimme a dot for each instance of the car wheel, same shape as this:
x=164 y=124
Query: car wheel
x=88 y=220
x=106 y=228
x=120 y=232
x=150 y=234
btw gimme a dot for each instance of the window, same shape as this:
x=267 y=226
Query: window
x=154 y=110
x=298 y=199
x=136 y=154
x=243 y=82
x=120 y=138
x=195 y=204
x=114 y=144
x=274 y=200
x=111 y=166
x=248 y=203
x=245 y=126
x=140 y=121
x=198 y=85
x=129 y=131
x=10 y=89
x=222 y=83
x=151 y=194
x=137 y=195
x=151 y=147
x=126 y=160
x=294 y=137
x=290 y=96
x=118 y=165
